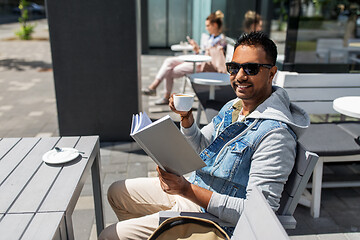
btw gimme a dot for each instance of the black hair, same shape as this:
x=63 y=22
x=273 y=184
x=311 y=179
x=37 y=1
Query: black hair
x=259 y=39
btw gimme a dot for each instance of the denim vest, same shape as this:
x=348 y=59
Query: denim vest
x=228 y=157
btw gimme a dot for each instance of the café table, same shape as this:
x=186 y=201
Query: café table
x=38 y=198
x=211 y=79
x=185 y=48
x=195 y=58
x=349 y=106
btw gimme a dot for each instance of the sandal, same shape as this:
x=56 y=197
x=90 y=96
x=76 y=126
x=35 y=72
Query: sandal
x=148 y=91
x=162 y=101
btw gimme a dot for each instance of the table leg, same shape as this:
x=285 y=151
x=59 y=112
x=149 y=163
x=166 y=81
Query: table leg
x=212 y=92
x=194 y=69
x=97 y=192
x=69 y=226
x=198 y=114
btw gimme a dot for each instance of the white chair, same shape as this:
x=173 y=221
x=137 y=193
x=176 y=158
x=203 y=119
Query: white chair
x=315 y=94
x=203 y=40
x=279 y=77
x=258 y=220
x=229 y=52
x=230 y=41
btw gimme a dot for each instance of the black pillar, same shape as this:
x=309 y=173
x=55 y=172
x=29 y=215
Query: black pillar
x=144 y=27
x=96 y=48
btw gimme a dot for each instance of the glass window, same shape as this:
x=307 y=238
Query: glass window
x=323 y=36
x=157 y=23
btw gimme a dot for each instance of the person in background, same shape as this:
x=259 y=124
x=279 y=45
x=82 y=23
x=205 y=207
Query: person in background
x=251 y=142
x=173 y=67
x=252 y=22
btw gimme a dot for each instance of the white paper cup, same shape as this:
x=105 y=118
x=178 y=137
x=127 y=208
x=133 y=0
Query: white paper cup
x=183 y=101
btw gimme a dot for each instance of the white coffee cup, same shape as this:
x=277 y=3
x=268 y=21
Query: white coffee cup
x=183 y=101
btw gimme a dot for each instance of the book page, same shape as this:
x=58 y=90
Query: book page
x=139 y=121
x=144 y=120
x=132 y=124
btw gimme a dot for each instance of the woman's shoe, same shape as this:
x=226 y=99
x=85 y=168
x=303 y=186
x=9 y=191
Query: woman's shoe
x=162 y=101
x=148 y=91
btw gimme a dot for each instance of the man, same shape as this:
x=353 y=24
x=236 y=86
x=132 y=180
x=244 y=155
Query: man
x=252 y=141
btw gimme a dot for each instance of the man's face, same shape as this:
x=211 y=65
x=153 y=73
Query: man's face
x=252 y=88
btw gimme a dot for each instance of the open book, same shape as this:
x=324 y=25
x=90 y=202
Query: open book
x=165 y=144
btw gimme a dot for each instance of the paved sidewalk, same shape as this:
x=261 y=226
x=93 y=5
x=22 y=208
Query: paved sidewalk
x=28 y=109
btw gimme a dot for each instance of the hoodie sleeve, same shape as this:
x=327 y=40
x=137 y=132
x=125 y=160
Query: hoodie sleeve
x=271 y=165
x=199 y=139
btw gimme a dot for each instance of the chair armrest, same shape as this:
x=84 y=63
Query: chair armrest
x=288 y=222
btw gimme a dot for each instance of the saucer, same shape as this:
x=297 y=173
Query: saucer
x=56 y=157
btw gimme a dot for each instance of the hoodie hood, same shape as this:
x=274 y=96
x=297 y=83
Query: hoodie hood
x=278 y=107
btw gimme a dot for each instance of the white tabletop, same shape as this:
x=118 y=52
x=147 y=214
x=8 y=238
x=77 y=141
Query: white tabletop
x=349 y=106
x=210 y=78
x=195 y=58
x=181 y=47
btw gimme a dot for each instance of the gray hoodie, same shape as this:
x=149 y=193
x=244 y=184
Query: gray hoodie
x=272 y=161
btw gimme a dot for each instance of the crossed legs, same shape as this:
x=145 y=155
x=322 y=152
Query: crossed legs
x=170 y=69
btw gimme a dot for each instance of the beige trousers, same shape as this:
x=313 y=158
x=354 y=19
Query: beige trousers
x=136 y=203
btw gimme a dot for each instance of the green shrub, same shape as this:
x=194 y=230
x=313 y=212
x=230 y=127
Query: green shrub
x=26 y=29
x=25 y=32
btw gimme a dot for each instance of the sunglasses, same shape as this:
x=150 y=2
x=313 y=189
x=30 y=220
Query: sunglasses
x=249 y=68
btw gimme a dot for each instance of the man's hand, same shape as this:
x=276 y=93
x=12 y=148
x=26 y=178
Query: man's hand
x=173 y=184
x=187 y=118
x=172 y=106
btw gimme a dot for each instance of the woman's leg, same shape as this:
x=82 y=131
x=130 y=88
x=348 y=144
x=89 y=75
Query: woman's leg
x=164 y=70
x=180 y=70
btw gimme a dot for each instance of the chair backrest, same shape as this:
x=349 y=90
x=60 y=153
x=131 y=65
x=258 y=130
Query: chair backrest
x=258 y=221
x=304 y=165
x=203 y=40
x=230 y=41
x=279 y=77
x=229 y=52
x=315 y=92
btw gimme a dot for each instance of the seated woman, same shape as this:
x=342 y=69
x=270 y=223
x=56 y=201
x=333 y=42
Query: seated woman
x=252 y=22
x=173 y=67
